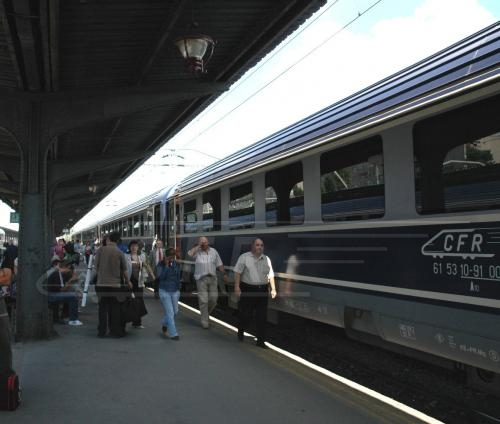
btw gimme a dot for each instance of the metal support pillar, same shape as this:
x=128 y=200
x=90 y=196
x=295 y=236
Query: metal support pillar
x=32 y=309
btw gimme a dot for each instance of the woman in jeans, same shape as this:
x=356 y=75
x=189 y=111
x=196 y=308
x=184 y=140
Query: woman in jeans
x=169 y=275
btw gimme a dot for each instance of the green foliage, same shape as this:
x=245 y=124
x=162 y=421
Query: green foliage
x=478 y=155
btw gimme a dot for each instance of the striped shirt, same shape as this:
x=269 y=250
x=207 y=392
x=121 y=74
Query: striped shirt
x=206 y=262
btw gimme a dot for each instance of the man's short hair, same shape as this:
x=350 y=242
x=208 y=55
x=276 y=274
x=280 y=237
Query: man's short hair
x=114 y=237
x=65 y=264
x=255 y=241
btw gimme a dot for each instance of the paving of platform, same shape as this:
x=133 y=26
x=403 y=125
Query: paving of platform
x=206 y=377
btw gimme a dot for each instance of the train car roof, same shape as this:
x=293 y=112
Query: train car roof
x=477 y=56
x=153 y=198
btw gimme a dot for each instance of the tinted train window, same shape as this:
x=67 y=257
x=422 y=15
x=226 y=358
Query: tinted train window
x=190 y=217
x=148 y=224
x=208 y=216
x=241 y=207
x=285 y=195
x=142 y=225
x=137 y=226
x=125 y=228
x=271 y=207
x=457 y=159
x=352 y=182
x=211 y=211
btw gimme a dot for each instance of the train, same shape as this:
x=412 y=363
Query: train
x=380 y=213
x=8 y=235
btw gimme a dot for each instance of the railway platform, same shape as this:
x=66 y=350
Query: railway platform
x=205 y=377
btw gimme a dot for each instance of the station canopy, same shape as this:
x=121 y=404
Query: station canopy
x=117 y=66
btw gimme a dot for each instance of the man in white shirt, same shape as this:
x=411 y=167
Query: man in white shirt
x=207 y=262
x=253 y=273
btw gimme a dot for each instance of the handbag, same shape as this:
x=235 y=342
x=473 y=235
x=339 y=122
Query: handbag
x=5 y=276
x=132 y=309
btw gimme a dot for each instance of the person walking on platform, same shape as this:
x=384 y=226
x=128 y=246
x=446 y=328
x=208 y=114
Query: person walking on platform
x=111 y=267
x=135 y=268
x=169 y=274
x=156 y=256
x=253 y=273
x=207 y=261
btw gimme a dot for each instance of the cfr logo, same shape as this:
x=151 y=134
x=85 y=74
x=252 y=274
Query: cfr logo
x=465 y=243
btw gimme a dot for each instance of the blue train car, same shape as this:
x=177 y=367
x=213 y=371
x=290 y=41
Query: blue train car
x=381 y=213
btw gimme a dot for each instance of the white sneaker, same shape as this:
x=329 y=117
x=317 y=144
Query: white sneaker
x=75 y=322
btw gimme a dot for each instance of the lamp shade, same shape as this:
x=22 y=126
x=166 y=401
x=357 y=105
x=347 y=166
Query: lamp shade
x=194 y=48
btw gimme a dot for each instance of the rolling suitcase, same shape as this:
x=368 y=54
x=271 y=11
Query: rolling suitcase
x=10 y=391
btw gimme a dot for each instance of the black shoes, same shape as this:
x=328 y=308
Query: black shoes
x=176 y=338
x=164 y=330
x=261 y=344
x=117 y=335
x=240 y=335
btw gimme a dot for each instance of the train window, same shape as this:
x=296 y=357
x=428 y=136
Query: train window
x=148 y=225
x=457 y=159
x=285 y=195
x=208 y=216
x=137 y=226
x=241 y=207
x=157 y=221
x=177 y=218
x=141 y=225
x=271 y=207
x=190 y=217
x=352 y=182
x=211 y=210
x=124 y=228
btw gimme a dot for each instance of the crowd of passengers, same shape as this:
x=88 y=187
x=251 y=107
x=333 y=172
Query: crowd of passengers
x=121 y=273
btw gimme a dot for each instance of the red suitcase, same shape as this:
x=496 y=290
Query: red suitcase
x=10 y=391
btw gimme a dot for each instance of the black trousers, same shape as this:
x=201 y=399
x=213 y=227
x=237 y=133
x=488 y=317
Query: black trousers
x=253 y=300
x=138 y=293
x=109 y=310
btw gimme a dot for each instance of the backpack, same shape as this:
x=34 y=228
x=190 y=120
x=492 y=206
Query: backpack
x=5 y=276
x=10 y=391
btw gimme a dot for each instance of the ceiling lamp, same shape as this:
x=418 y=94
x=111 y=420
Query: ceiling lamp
x=196 y=50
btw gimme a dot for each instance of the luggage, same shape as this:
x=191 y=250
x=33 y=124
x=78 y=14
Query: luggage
x=133 y=308
x=10 y=391
x=5 y=276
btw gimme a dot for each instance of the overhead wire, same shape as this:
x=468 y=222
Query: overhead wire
x=263 y=62
x=336 y=33
x=270 y=56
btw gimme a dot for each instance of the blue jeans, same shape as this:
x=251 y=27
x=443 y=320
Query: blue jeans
x=69 y=297
x=170 y=301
